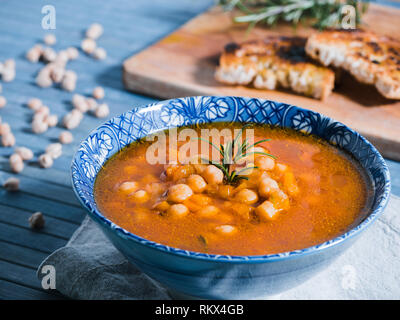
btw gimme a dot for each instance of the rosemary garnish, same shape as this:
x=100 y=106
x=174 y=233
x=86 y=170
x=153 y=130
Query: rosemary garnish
x=320 y=13
x=228 y=157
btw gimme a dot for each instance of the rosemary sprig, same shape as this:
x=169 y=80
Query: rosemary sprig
x=320 y=13
x=229 y=157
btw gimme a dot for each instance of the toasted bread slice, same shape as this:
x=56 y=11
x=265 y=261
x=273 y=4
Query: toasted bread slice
x=275 y=62
x=368 y=57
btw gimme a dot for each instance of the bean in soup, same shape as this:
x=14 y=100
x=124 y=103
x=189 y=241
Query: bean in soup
x=306 y=193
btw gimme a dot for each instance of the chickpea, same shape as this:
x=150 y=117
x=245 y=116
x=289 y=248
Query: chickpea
x=213 y=175
x=8 y=139
x=247 y=196
x=225 y=191
x=128 y=187
x=94 y=31
x=25 y=153
x=178 y=210
x=226 y=229
x=88 y=45
x=98 y=93
x=265 y=163
x=99 y=53
x=290 y=183
x=196 y=183
x=201 y=199
x=161 y=206
x=280 y=199
x=267 y=186
x=49 y=39
x=179 y=193
x=16 y=163
x=65 y=137
x=11 y=184
x=208 y=212
x=3 y=102
x=102 y=110
x=54 y=150
x=34 y=104
x=281 y=167
x=266 y=211
x=45 y=160
x=141 y=196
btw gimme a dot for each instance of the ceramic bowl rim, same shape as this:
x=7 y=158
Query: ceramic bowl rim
x=123 y=233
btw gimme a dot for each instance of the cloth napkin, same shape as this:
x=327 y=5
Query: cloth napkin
x=89 y=267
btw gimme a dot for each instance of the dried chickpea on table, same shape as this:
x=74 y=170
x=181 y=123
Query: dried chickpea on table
x=53 y=72
x=194 y=206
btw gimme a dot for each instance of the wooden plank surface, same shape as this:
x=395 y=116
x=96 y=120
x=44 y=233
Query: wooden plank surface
x=129 y=27
x=190 y=56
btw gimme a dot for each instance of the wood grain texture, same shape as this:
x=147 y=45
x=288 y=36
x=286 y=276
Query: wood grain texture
x=183 y=64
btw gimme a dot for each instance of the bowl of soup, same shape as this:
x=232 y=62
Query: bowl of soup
x=229 y=197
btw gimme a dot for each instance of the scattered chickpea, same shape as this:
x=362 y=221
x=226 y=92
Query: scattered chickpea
x=43 y=79
x=68 y=83
x=42 y=111
x=281 y=167
x=196 y=183
x=54 y=150
x=79 y=102
x=34 y=54
x=49 y=54
x=267 y=186
x=57 y=74
x=72 y=119
x=92 y=104
x=247 y=196
x=178 y=210
x=179 y=193
x=25 y=153
x=8 y=140
x=94 y=31
x=213 y=175
x=128 y=187
x=226 y=229
x=36 y=221
x=16 y=163
x=11 y=184
x=8 y=74
x=264 y=163
x=98 y=93
x=52 y=120
x=9 y=63
x=4 y=128
x=73 y=53
x=34 y=104
x=65 y=137
x=88 y=45
x=99 y=53
x=39 y=126
x=3 y=102
x=266 y=211
x=102 y=111
x=50 y=39
x=45 y=160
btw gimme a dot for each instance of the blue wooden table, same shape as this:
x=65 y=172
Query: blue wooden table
x=129 y=26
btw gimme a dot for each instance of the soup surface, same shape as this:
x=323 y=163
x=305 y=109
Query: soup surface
x=309 y=192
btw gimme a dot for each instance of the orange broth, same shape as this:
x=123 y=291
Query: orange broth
x=332 y=196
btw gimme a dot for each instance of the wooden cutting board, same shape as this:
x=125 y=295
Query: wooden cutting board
x=183 y=64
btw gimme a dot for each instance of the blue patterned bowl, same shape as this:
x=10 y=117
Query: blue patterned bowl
x=222 y=276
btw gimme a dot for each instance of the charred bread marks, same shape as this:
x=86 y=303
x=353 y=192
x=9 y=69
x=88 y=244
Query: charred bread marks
x=275 y=62
x=368 y=57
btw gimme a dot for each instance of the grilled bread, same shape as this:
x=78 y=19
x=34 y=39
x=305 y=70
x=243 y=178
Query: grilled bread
x=368 y=57
x=275 y=62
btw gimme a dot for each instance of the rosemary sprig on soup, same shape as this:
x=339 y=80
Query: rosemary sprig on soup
x=243 y=190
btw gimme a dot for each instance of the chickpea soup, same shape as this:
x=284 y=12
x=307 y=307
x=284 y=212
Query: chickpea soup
x=235 y=193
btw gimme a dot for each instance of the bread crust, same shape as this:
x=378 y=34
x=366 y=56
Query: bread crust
x=370 y=58
x=274 y=62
